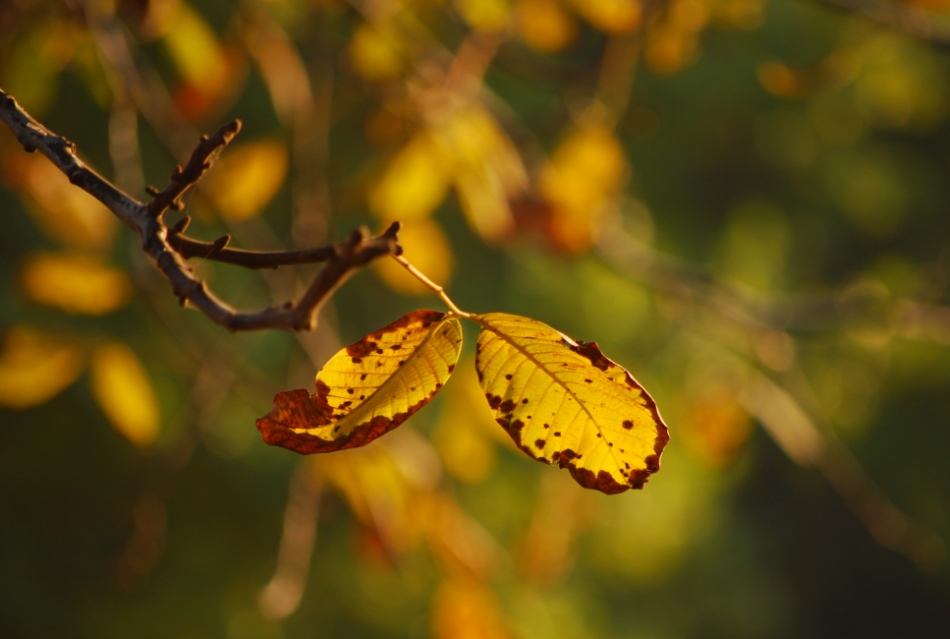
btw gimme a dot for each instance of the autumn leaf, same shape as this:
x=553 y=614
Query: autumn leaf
x=563 y=401
x=124 y=392
x=368 y=388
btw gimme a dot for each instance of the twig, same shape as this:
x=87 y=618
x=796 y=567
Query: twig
x=342 y=259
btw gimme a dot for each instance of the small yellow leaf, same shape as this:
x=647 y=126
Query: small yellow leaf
x=368 y=388
x=564 y=401
x=75 y=283
x=612 y=16
x=431 y=253
x=34 y=367
x=375 y=54
x=464 y=608
x=485 y=15
x=544 y=24
x=413 y=184
x=123 y=391
x=246 y=178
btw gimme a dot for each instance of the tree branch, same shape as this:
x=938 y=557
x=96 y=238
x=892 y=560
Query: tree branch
x=358 y=250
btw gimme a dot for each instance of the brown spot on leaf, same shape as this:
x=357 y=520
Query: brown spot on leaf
x=395 y=347
x=361 y=348
x=507 y=406
x=539 y=443
x=589 y=381
x=362 y=377
x=494 y=401
x=357 y=360
x=524 y=401
x=627 y=424
x=591 y=351
x=451 y=368
x=350 y=391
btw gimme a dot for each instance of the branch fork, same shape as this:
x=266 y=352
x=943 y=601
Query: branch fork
x=169 y=248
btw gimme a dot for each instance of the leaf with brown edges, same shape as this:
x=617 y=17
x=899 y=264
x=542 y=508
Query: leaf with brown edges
x=368 y=388
x=564 y=402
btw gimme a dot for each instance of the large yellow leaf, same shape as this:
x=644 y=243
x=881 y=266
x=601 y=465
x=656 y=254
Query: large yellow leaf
x=369 y=387
x=564 y=401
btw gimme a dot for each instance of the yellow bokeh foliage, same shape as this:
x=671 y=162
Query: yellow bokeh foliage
x=244 y=180
x=425 y=240
x=75 y=283
x=123 y=390
x=375 y=53
x=35 y=366
x=544 y=24
x=579 y=183
x=611 y=16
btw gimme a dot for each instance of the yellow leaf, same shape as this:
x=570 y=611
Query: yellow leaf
x=414 y=183
x=564 y=401
x=431 y=253
x=369 y=387
x=584 y=174
x=485 y=15
x=75 y=283
x=544 y=24
x=375 y=54
x=245 y=179
x=466 y=609
x=612 y=16
x=193 y=46
x=63 y=211
x=34 y=367
x=123 y=391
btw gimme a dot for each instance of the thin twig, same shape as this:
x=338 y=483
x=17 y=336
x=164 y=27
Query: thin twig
x=342 y=259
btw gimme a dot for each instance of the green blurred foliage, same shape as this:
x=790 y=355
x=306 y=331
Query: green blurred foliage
x=743 y=202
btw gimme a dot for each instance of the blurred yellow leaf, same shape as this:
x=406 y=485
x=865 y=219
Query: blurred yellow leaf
x=63 y=211
x=413 y=184
x=32 y=65
x=564 y=402
x=716 y=426
x=672 y=44
x=583 y=176
x=486 y=169
x=375 y=54
x=124 y=392
x=431 y=253
x=75 y=283
x=612 y=16
x=464 y=434
x=544 y=24
x=368 y=388
x=464 y=608
x=199 y=58
x=485 y=15
x=246 y=178
x=35 y=366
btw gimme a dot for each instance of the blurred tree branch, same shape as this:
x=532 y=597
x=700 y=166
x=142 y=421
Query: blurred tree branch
x=169 y=249
x=900 y=17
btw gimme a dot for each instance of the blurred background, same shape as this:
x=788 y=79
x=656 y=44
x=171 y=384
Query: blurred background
x=744 y=202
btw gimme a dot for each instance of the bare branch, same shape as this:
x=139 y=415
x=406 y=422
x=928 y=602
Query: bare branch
x=358 y=250
x=207 y=151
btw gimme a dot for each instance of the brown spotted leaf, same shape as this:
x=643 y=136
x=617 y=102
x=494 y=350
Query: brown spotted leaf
x=369 y=387
x=563 y=401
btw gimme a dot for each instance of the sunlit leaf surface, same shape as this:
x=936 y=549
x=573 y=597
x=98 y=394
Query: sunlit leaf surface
x=369 y=387
x=563 y=401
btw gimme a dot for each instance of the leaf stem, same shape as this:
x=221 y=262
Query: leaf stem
x=432 y=286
